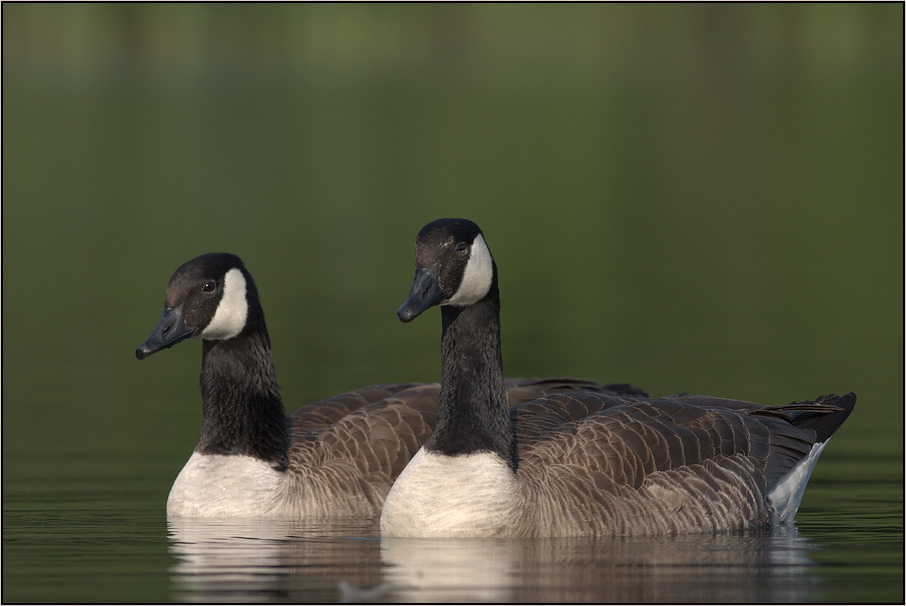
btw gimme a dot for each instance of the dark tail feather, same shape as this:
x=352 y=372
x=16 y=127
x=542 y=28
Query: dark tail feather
x=824 y=416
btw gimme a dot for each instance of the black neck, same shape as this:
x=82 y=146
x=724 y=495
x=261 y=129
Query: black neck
x=473 y=415
x=242 y=413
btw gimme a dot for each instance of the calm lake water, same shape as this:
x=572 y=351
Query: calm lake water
x=83 y=530
x=703 y=198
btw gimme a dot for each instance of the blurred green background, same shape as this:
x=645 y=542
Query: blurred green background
x=703 y=198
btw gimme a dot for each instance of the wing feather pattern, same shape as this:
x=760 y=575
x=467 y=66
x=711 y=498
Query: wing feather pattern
x=361 y=440
x=680 y=464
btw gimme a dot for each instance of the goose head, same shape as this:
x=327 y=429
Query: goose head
x=453 y=266
x=211 y=297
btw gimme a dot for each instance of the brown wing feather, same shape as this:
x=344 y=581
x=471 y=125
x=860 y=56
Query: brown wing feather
x=659 y=435
x=685 y=462
x=371 y=433
x=320 y=415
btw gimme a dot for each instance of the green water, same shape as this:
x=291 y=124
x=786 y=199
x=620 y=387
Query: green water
x=688 y=198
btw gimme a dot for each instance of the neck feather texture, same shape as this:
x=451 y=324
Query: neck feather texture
x=242 y=413
x=473 y=415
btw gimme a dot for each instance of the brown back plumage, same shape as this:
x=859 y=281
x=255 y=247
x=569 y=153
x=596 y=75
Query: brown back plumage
x=374 y=431
x=598 y=464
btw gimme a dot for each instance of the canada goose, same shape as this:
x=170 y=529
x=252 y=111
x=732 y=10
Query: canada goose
x=333 y=458
x=582 y=464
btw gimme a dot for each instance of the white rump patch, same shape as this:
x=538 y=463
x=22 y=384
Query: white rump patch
x=233 y=310
x=787 y=495
x=476 y=279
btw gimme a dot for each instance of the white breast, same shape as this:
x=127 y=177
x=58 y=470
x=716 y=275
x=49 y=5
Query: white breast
x=227 y=486
x=437 y=495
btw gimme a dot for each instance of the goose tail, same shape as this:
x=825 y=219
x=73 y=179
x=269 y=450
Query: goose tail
x=823 y=416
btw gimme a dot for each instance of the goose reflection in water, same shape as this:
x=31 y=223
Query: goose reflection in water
x=736 y=567
x=279 y=561
x=262 y=560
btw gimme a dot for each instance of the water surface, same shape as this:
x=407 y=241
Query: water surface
x=840 y=551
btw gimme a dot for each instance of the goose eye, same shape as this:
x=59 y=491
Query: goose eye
x=462 y=247
x=209 y=286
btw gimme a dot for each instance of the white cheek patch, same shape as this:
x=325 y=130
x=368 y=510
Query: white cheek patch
x=229 y=319
x=477 y=277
